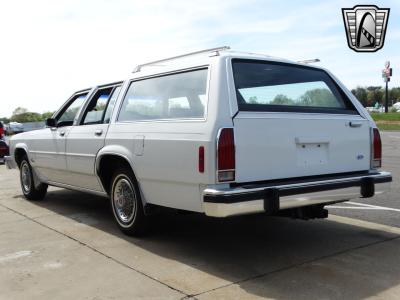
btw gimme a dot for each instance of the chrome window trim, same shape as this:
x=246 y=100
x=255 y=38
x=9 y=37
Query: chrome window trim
x=90 y=98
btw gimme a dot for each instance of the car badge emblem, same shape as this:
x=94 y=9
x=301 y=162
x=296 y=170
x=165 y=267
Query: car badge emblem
x=365 y=27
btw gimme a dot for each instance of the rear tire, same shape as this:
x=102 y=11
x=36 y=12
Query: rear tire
x=30 y=191
x=126 y=203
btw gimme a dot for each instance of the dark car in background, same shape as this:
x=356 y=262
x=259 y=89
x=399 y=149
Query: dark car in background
x=1 y=130
x=4 y=150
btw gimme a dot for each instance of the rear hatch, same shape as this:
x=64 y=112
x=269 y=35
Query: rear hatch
x=294 y=121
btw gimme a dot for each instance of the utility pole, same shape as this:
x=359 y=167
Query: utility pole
x=386 y=97
x=386 y=74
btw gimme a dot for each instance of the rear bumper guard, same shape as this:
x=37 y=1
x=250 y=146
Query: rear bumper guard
x=272 y=198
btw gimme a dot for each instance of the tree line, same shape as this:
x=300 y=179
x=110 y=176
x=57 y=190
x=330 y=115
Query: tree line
x=369 y=96
x=321 y=97
x=22 y=115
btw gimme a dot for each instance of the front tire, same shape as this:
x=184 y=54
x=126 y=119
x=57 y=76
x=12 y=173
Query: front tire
x=30 y=191
x=126 y=203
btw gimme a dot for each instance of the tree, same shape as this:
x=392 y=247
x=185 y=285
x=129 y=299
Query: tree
x=375 y=95
x=22 y=115
x=5 y=120
x=19 y=110
x=318 y=97
x=253 y=100
x=394 y=94
x=361 y=94
x=282 y=100
x=26 y=117
x=47 y=115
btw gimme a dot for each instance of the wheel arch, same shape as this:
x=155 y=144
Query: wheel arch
x=20 y=150
x=107 y=160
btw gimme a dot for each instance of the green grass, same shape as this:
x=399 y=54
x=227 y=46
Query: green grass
x=389 y=121
x=392 y=116
x=393 y=127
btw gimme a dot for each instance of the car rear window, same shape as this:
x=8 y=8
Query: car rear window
x=271 y=86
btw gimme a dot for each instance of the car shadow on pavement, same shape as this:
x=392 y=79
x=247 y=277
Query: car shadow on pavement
x=257 y=255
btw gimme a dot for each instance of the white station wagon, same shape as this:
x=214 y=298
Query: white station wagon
x=216 y=132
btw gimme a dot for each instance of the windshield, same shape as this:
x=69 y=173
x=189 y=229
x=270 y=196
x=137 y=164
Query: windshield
x=271 y=86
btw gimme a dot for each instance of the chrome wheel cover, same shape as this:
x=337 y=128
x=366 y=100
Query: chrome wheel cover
x=124 y=200
x=26 y=178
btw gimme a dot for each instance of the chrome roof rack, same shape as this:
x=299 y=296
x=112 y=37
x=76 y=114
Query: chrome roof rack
x=217 y=49
x=309 y=61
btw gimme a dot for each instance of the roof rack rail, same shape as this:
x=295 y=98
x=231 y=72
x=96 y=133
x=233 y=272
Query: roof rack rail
x=309 y=61
x=217 y=49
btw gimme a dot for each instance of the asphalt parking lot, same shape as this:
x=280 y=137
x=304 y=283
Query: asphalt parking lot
x=384 y=209
x=67 y=247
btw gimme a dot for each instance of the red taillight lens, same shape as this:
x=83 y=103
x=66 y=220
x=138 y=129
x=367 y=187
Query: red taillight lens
x=201 y=159
x=226 y=155
x=377 y=149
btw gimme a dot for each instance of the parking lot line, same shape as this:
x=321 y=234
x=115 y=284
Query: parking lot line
x=364 y=206
x=356 y=207
x=374 y=206
x=364 y=224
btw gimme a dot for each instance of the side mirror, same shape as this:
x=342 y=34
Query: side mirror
x=50 y=122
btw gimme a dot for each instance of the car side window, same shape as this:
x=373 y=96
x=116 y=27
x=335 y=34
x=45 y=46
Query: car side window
x=68 y=115
x=176 y=96
x=100 y=107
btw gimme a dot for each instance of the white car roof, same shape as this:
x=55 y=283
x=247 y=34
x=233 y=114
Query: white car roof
x=197 y=59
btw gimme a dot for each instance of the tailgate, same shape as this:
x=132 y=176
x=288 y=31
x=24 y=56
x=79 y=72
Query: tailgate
x=294 y=121
x=283 y=147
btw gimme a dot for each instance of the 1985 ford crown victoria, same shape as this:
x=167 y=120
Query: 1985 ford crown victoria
x=217 y=132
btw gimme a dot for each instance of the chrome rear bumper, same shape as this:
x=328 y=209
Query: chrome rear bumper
x=272 y=197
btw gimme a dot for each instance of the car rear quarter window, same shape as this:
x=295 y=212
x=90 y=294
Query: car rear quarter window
x=271 y=86
x=175 y=96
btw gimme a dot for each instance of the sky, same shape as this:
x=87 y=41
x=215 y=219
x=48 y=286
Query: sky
x=50 y=49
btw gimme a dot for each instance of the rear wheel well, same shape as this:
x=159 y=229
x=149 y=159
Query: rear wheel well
x=18 y=155
x=108 y=164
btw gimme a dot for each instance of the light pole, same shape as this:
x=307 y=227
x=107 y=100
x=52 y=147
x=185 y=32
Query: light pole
x=386 y=74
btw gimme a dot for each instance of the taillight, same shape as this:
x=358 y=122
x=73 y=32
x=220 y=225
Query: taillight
x=376 y=161
x=226 y=155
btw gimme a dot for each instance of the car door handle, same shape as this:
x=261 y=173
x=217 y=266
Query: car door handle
x=62 y=133
x=355 y=124
x=98 y=132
